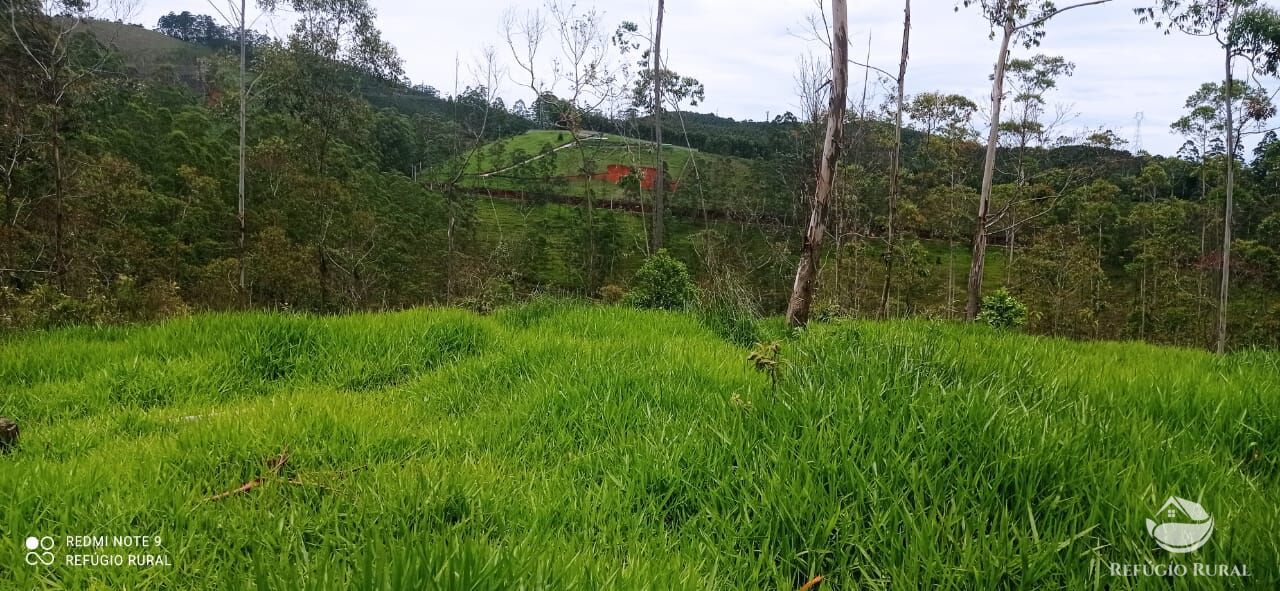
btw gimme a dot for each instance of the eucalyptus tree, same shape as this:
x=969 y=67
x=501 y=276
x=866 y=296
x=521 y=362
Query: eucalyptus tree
x=1021 y=22
x=1245 y=29
x=806 y=271
x=1204 y=125
x=895 y=163
x=659 y=179
x=237 y=15
x=670 y=89
x=1029 y=80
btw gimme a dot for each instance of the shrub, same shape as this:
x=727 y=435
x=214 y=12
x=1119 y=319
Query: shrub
x=661 y=282
x=1002 y=310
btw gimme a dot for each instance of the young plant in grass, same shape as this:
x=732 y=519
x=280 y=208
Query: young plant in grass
x=767 y=358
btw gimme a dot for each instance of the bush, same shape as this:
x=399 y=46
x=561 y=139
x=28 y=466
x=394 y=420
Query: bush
x=1002 y=310
x=662 y=282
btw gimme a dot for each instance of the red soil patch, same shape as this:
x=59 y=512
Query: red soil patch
x=614 y=173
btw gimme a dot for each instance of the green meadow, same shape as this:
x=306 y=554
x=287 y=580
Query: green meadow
x=562 y=446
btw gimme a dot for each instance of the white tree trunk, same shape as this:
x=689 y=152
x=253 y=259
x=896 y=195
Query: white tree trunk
x=978 y=263
x=896 y=161
x=240 y=211
x=806 y=272
x=659 y=178
x=1226 y=217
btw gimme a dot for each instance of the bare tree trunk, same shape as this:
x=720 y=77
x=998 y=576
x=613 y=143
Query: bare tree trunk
x=1008 y=260
x=240 y=211
x=896 y=162
x=448 y=271
x=1142 y=295
x=323 y=262
x=659 y=178
x=806 y=272
x=978 y=263
x=951 y=277
x=1226 y=218
x=59 y=216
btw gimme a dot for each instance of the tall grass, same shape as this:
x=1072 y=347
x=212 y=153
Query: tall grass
x=554 y=446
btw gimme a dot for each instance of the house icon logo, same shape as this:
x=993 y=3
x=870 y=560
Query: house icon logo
x=1181 y=526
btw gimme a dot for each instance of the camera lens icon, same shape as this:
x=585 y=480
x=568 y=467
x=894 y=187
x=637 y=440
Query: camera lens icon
x=39 y=551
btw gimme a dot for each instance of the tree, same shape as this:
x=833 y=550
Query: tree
x=1242 y=29
x=584 y=67
x=203 y=29
x=1017 y=20
x=895 y=162
x=659 y=179
x=946 y=123
x=181 y=26
x=806 y=272
x=241 y=17
x=647 y=96
x=1029 y=80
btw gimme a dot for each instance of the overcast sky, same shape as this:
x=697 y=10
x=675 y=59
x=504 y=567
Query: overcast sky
x=745 y=52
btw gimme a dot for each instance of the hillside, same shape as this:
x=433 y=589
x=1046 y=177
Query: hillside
x=150 y=53
x=567 y=447
x=550 y=163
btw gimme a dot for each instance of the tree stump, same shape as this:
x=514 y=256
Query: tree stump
x=8 y=435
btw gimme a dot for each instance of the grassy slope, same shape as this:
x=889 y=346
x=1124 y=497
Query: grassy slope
x=613 y=149
x=553 y=446
x=148 y=50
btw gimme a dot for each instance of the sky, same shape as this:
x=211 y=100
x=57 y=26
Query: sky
x=745 y=53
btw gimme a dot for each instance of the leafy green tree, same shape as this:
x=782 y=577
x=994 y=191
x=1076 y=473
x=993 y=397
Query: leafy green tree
x=1166 y=257
x=1030 y=80
x=334 y=50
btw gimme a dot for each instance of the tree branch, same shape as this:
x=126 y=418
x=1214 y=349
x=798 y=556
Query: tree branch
x=1039 y=21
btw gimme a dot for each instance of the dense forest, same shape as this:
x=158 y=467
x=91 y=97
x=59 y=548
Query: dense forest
x=127 y=195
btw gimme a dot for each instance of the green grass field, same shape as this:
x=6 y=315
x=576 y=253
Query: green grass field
x=559 y=446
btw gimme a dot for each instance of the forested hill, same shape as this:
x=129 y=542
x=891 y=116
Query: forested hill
x=178 y=53
x=155 y=54
x=365 y=191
